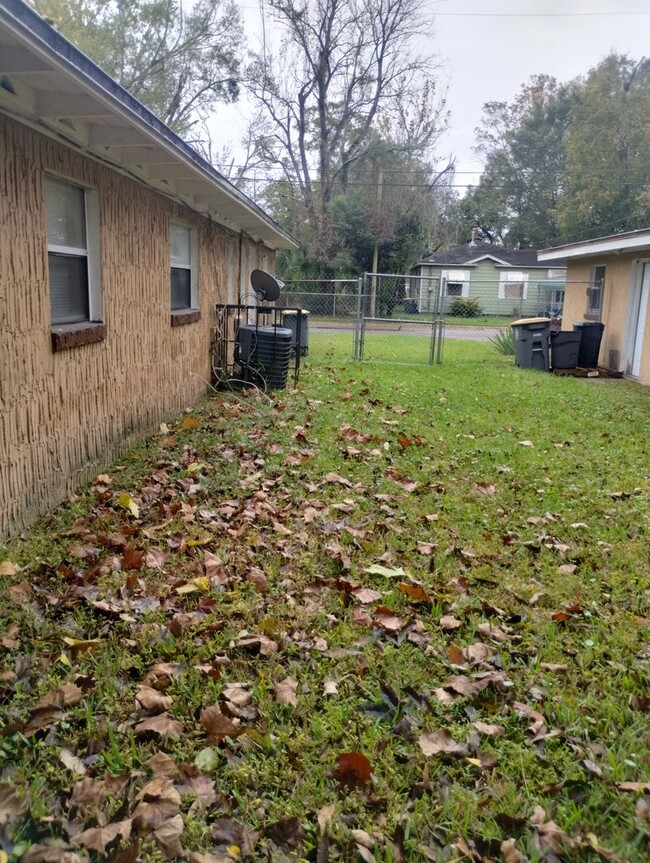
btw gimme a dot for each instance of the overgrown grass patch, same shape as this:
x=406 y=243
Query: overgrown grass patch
x=384 y=553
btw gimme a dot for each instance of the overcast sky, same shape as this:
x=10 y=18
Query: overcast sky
x=488 y=50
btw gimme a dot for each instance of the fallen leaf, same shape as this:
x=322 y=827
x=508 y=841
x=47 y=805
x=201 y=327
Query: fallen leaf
x=448 y=622
x=548 y=835
x=157 y=802
x=415 y=592
x=88 y=792
x=99 y=838
x=288 y=831
x=365 y=595
x=636 y=787
x=510 y=854
x=188 y=422
x=168 y=837
x=362 y=838
x=161 y=725
x=436 y=742
x=12 y=807
x=488 y=729
x=126 y=502
x=155 y=559
x=52 y=851
x=387 y=619
x=353 y=769
x=8 y=568
x=325 y=815
x=238 y=694
x=285 y=691
x=526 y=443
x=153 y=700
x=386 y=571
x=217 y=725
x=161 y=764
x=335 y=477
x=524 y=710
x=72 y=762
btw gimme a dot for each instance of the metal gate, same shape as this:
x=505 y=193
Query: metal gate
x=380 y=317
x=400 y=319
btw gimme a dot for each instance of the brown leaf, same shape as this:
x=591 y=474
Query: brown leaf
x=161 y=764
x=554 y=666
x=72 y=762
x=217 y=725
x=510 y=854
x=227 y=832
x=353 y=769
x=456 y=656
x=238 y=694
x=366 y=595
x=132 y=557
x=325 y=815
x=155 y=558
x=161 y=725
x=436 y=742
x=636 y=787
x=488 y=729
x=8 y=568
x=99 y=838
x=525 y=710
x=265 y=645
x=50 y=707
x=448 y=622
x=196 y=784
x=12 y=807
x=52 y=851
x=387 y=619
x=415 y=592
x=548 y=836
x=288 y=831
x=88 y=792
x=157 y=802
x=168 y=837
x=152 y=700
x=335 y=477
x=195 y=857
x=188 y=422
x=285 y=691
x=464 y=685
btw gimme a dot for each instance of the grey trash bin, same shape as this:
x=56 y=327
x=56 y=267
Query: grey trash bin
x=531 y=343
x=300 y=340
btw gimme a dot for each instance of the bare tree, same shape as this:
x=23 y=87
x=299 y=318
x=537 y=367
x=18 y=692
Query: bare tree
x=343 y=70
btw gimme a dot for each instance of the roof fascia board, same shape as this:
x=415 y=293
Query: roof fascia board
x=608 y=245
x=51 y=46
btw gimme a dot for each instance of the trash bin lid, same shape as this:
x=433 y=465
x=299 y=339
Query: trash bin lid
x=523 y=321
x=304 y=312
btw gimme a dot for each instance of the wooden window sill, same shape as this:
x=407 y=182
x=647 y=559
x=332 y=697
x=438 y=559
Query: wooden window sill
x=67 y=336
x=185 y=316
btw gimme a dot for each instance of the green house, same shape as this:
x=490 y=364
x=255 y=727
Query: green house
x=503 y=281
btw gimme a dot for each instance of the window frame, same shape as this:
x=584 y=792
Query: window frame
x=513 y=277
x=592 y=311
x=192 y=267
x=91 y=253
x=455 y=280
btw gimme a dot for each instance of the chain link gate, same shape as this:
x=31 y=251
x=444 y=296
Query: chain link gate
x=401 y=319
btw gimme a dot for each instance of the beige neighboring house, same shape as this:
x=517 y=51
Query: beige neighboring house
x=608 y=280
x=117 y=240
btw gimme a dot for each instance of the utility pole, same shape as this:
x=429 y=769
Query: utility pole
x=375 y=253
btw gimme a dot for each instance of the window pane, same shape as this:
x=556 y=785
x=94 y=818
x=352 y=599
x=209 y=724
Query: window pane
x=513 y=291
x=180 y=245
x=181 y=288
x=454 y=290
x=66 y=216
x=68 y=288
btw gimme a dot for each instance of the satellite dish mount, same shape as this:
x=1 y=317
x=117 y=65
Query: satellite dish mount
x=265 y=285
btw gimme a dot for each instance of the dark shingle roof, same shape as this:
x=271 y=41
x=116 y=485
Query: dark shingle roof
x=473 y=251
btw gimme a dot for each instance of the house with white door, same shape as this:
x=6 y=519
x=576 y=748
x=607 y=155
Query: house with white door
x=608 y=280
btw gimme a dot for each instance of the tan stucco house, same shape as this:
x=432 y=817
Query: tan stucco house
x=116 y=241
x=608 y=280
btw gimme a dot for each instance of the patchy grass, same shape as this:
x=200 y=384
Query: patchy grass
x=399 y=613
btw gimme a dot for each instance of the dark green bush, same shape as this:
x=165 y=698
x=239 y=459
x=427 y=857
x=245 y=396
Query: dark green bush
x=465 y=307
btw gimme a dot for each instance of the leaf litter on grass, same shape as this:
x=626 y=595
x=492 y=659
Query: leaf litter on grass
x=255 y=635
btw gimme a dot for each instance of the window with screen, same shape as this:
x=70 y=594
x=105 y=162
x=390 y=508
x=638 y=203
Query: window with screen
x=595 y=292
x=67 y=252
x=513 y=286
x=183 y=278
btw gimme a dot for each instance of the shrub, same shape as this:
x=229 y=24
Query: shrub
x=504 y=342
x=465 y=307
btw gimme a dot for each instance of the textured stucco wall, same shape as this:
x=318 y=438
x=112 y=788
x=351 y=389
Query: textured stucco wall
x=621 y=271
x=64 y=414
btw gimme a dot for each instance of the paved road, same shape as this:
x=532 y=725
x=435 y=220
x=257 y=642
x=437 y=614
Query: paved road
x=472 y=334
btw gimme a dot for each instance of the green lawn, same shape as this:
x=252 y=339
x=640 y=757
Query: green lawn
x=400 y=613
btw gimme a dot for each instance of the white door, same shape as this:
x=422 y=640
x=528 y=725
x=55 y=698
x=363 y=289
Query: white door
x=638 y=321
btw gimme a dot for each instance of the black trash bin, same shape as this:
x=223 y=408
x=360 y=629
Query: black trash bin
x=565 y=349
x=592 y=334
x=531 y=343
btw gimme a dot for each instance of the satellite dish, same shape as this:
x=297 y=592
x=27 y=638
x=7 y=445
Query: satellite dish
x=265 y=285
